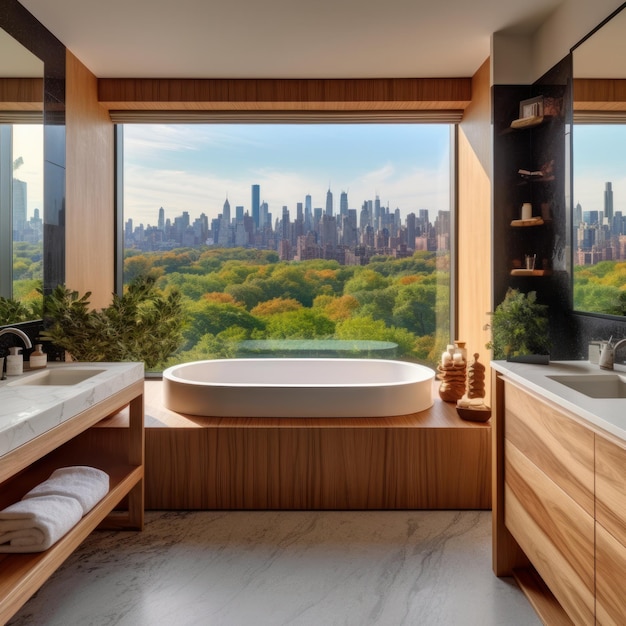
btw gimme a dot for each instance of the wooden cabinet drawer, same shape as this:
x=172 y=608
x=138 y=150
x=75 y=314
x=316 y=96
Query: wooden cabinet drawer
x=611 y=487
x=610 y=577
x=558 y=445
x=555 y=532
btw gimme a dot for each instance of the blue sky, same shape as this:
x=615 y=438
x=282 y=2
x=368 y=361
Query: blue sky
x=28 y=144
x=195 y=167
x=599 y=157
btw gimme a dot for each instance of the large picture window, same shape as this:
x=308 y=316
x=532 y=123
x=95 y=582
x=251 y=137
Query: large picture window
x=295 y=239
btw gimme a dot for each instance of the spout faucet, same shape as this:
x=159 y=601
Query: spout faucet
x=607 y=358
x=22 y=335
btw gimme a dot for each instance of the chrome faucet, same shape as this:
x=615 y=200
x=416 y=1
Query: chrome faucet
x=22 y=335
x=607 y=357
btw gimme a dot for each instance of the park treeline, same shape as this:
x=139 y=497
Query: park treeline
x=601 y=288
x=236 y=294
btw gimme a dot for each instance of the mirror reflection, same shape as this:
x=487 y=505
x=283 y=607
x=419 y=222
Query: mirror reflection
x=599 y=170
x=21 y=180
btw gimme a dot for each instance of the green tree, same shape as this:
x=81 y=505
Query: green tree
x=301 y=324
x=207 y=317
x=415 y=308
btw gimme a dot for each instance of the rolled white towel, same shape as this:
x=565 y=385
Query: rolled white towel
x=33 y=525
x=86 y=484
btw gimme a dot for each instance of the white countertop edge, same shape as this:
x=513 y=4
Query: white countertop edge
x=27 y=411
x=607 y=414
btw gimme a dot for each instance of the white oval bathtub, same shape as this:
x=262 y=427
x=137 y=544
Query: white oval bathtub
x=298 y=388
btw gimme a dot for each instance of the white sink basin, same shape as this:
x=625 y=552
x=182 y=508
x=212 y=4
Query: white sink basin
x=57 y=377
x=595 y=385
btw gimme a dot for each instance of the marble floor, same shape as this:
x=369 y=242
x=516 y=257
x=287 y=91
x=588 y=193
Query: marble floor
x=271 y=568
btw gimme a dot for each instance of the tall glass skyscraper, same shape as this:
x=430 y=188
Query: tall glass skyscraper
x=608 y=202
x=256 y=204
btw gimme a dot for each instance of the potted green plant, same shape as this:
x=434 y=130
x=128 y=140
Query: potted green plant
x=143 y=324
x=520 y=329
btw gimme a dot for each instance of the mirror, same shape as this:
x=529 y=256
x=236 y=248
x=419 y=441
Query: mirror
x=21 y=175
x=41 y=96
x=599 y=169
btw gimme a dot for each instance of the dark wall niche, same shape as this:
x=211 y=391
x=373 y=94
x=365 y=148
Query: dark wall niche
x=541 y=150
x=547 y=148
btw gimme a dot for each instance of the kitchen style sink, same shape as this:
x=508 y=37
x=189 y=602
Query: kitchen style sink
x=595 y=385
x=57 y=377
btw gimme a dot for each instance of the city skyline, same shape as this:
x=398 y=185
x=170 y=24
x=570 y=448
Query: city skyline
x=599 y=157
x=196 y=168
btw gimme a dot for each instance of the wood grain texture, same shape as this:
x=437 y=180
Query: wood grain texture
x=506 y=553
x=558 y=445
x=611 y=487
x=599 y=94
x=555 y=533
x=21 y=94
x=89 y=219
x=73 y=443
x=541 y=598
x=285 y=94
x=474 y=267
x=610 y=577
x=431 y=459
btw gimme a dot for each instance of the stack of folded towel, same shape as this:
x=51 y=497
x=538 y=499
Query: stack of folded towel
x=51 y=509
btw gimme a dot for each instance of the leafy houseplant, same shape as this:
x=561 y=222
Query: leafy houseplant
x=143 y=324
x=519 y=328
x=13 y=311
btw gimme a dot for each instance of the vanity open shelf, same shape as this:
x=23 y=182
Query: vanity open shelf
x=73 y=442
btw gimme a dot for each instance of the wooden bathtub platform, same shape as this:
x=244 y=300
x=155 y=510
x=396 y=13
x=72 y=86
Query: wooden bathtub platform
x=428 y=460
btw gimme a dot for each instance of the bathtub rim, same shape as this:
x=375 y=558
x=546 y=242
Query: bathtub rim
x=428 y=374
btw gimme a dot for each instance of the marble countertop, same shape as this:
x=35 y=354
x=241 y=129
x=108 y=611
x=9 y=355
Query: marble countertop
x=27 y=411
x=607 y=414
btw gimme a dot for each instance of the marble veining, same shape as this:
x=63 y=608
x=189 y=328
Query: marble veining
x=271 y=568
x=27 y=411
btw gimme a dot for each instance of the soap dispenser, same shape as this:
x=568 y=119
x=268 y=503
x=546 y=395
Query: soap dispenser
x=38 y=358
x=15 y=362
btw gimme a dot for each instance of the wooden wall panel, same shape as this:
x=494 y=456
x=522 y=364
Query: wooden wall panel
x=89 y=188
x=599 y=94
x=285 y=94
x=21 y=94
x=474 y=264
x=309 y=468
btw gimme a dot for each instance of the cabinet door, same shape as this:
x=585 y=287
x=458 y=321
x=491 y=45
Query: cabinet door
x=610 y=531
x=549 y=498
x=558 y=445
x=610 y=577
x=611 y=487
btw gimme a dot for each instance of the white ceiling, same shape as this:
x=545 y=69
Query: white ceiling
x=284 y=38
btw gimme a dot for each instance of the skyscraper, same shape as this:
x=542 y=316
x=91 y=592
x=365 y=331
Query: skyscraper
x=343 y=203
x=256 y=204
x=161 y=221
x=329 y=202
x=608 y=202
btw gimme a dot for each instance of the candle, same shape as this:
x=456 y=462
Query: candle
x=446 y=357
x=457 y=358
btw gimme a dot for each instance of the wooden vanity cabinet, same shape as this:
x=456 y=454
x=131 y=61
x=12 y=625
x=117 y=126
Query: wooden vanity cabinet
x=549 y=497
x=73 y=443
x=559 y=508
